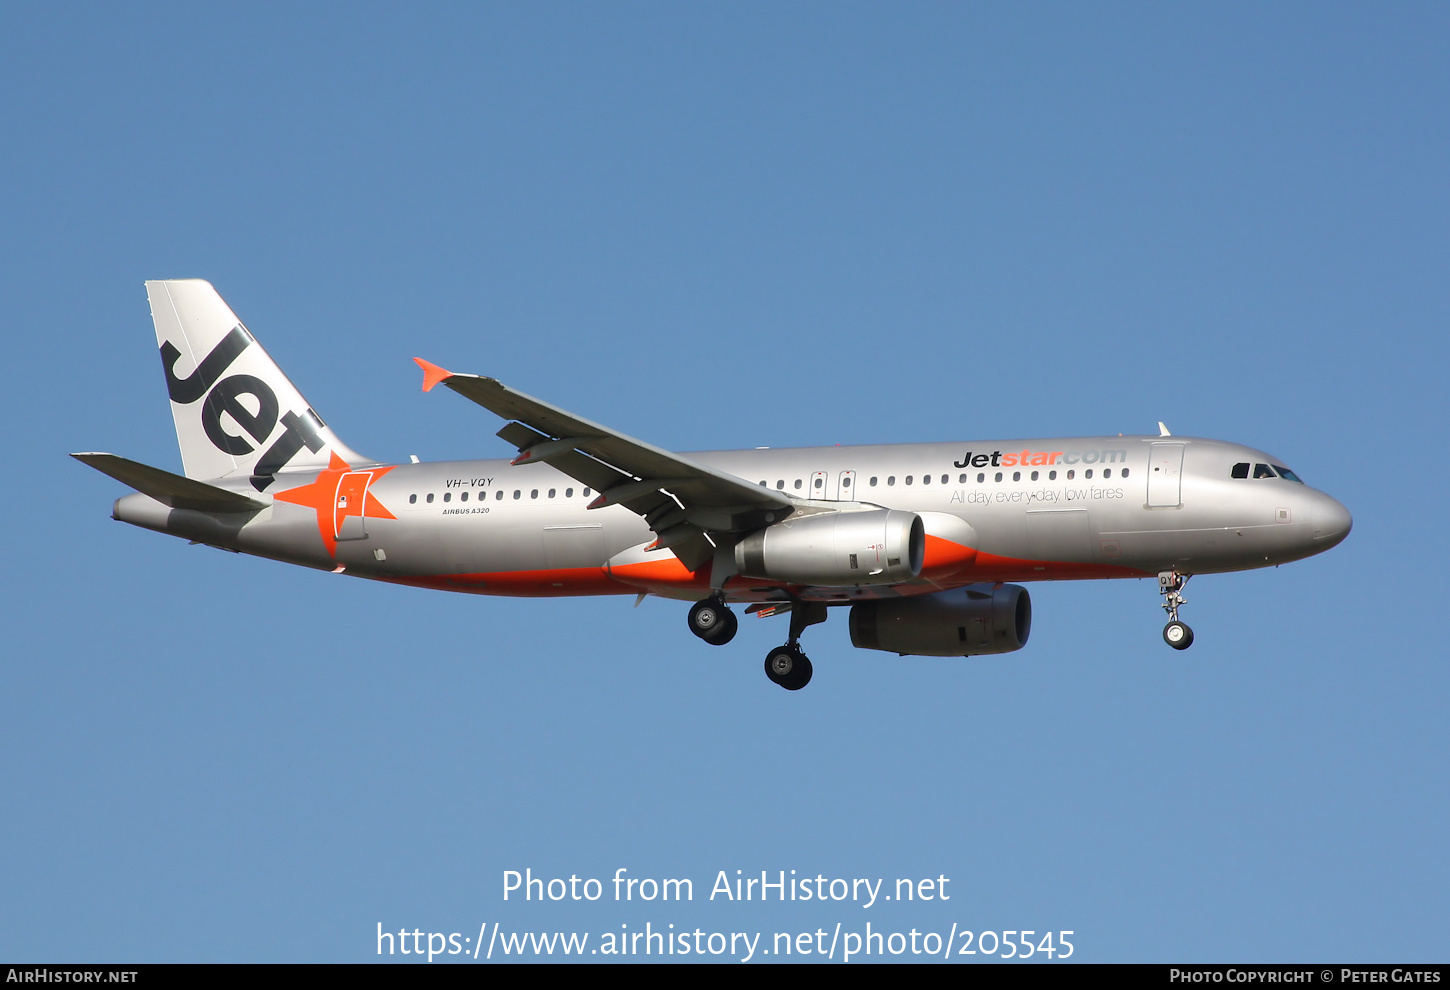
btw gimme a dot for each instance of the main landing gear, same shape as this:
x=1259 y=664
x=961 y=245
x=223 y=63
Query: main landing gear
x=713 y=621
x=1176 y=634
x=787 y=665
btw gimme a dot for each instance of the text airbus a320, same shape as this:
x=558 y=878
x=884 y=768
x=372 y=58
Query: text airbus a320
x=921 y=542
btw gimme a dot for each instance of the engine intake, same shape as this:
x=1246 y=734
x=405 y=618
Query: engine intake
x=836 y=549
x=977 y=619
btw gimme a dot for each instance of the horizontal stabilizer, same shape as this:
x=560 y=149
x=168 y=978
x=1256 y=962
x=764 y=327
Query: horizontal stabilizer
x=167 y=488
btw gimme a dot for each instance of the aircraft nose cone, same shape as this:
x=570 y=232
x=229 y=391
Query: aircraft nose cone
x=1332 y=521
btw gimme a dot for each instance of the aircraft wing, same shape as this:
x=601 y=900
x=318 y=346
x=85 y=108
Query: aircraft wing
x=691 y=507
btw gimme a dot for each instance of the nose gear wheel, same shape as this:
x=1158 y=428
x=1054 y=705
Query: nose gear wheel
x=1178 y=635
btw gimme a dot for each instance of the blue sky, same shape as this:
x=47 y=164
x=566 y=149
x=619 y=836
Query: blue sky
x=713 y=226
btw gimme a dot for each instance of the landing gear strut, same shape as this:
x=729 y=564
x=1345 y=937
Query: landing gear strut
x=713 y=622
x=787 y=665
x=1176 y=634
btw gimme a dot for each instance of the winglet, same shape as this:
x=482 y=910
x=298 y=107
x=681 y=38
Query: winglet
x=432 y=374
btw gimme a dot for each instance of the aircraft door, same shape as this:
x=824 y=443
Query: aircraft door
x=821 y=486
x=846 y=486
x=348 y=518
x=1165 y=475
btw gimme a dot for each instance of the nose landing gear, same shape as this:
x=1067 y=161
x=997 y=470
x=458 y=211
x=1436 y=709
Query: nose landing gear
x=1176 y=634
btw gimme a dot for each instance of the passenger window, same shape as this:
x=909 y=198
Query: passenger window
x=1240 y=470
x=1263 y=471
x=797 y=484
x=551 y=492
x=463 y=497
x=534 y=493
x=961 y=479
x=818 y=483
x=945 y=479
x=981 y=477
x=498 y=495
x=891 y=479
x=447 y=496
x=908 y=479
x=1124 y=472
x=1034 y=475
x=1070 y=475
x=430 y=498
x=412 y=499
x=1088 y=473
x=1051 y=475
x=999 y=476
x=780 y=485
x=926 y=479
x=518 y=494
x=585 y=493
x=873 y=481
x=846 y=481
x=1016 y=475
x=568 y=493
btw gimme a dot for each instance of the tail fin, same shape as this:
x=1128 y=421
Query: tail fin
x=235 y=411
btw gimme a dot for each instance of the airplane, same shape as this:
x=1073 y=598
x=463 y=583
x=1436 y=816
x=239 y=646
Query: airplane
x=921 y=542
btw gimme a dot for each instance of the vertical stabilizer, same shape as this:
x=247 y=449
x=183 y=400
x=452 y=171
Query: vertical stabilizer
x=236 y=413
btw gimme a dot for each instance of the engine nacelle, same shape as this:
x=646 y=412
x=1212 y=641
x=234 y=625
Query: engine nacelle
x=836 y=549
x=977 y=619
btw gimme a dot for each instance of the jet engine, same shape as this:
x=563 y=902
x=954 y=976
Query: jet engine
x=977 y=619
x=837 y=549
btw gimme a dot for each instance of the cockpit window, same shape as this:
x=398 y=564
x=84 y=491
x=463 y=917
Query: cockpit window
x=1241 y=470
x=1263 y=471
x=1286 y=473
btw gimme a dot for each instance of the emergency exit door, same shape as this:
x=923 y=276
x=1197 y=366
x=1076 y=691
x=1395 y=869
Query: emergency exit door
x=1165 y=475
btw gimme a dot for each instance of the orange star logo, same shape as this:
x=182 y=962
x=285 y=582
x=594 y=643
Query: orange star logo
x=337 y=493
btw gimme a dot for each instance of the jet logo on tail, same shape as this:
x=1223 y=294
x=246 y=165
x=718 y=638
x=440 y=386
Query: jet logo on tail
x=223 y=397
